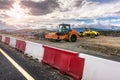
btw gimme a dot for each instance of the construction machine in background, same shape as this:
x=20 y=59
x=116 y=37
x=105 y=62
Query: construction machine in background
x=64 y=32
x=90 y=33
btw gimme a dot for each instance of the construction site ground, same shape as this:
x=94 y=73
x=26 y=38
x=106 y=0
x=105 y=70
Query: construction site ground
x=102 y=45
x=107 y=44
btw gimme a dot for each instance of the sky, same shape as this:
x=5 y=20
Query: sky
x=34 y=13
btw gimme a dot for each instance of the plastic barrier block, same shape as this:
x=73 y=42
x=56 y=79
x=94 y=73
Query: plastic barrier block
x=3 y=38
x=35 y=50
x=49 y=55
x=76 y=68
x=0 y=38
x=7 y=40
x=20 y=45
x=57 y=58
x=12 y=42
x=63 y=59
x=17 y=44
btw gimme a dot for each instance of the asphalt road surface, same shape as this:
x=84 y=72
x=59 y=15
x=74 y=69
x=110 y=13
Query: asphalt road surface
x=8 y=71
x=17 y=66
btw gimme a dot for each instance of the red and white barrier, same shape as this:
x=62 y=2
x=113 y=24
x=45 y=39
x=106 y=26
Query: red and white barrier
x=7 y=40
x=12 y=42
x=3 y=38
x=20 y=45
x=96 y=68
x=84 y=67
x=0 y=38
x=34 y=49
x=66 y=62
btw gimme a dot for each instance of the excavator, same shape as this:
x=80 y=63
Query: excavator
x=64 y=32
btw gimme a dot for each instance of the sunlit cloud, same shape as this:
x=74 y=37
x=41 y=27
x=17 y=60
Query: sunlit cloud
x=77 y=12
x=17 y=12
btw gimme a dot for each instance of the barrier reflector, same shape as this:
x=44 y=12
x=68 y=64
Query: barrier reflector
x=0 y=38
x=7 y=40
x=20 y=45
x=76 y=68
x=49 y=55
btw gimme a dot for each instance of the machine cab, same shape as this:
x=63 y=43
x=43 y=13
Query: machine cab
x=64 y=29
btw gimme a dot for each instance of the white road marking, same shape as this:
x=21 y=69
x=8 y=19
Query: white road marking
x=17 y=66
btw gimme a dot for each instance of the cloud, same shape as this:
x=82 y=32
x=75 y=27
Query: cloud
x=41 y=7
x=6 y=4
x=58 y=11
x=79 y=3
x=87 y=9
x=65 y=9
x=103 y=1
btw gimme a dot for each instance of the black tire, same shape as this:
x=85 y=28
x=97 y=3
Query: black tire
x=97 y=34
x=92 y=35
x=57 y=40
x=81 y=34
x=72 y=38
